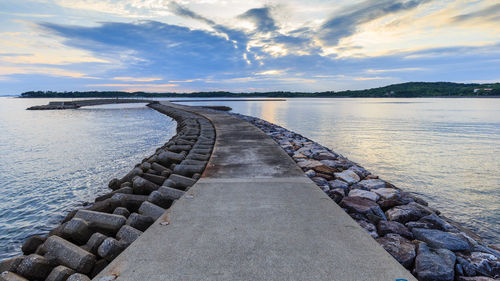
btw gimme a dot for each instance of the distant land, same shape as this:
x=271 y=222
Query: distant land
x=409 y=89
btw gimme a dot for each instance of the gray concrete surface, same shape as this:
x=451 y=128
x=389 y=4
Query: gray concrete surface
x=253 y=216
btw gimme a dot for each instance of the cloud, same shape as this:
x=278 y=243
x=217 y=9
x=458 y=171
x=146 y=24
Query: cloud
x=132 y=79
x=347 y=20
x=262 y=19
x=491 y=13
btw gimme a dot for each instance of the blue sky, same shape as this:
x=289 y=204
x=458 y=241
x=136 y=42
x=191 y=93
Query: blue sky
x=244 y=46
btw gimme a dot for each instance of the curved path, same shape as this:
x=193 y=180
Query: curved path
x=253 y=216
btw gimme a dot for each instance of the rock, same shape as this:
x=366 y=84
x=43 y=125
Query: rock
x=323 y=169
x=78 y=277
x=68 y=254
x=361 y=172
x=34 y=267
x=319 y=181
x=371 y=184
x=337 y=194
x=131 y=202
x=309 y=164
x=338 y=184
x=440 y=239
x=78 y=229
x=10 y=276
x=94 y=242
x=387 y=204
x=188 y=170
x=400 y=248
x=327 y=177
x=110 y=248
x=139 y=222
x=364 y=194
x=106 y=223
x=338 y=165
x=156 y=179
x=171 y=193
x=363 y=206
x=348 y=176
x=179 y=182
x=387 y=193
x=143 y=186
x=409 y=212
x=369 y=227
x=60 y=273
x=435 y=222
x=388 y=227
x=434 y=264
x=310 y=173
x=159 y=199
x=128 y=234
x=467 y=268
x=476 y=278
x=151 y=210
x=31 y=244
x=325 y=156
x=484 y=263
x=121 y=211
x=11 y=264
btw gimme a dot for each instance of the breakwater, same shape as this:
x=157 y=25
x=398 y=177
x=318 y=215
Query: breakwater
x=246 y=178
x=90 y=238
x=432 y=247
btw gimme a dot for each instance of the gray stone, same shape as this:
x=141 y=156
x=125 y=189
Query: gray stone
x=188 y=170
x=484 y=263
x=371 y=184
x=364 y=194
x=107 y=223
x=60 y=273
x=434 y=264
x=10 y=276
x=338 y=184
x=348 y=176
x=11 y=264
x=78 y=230
x=388 y=227
x=166 y=158
x=151 y=210
x=78 y=277
x=179 y=181
x=363 y=206
x=128 y=234
x=68 y=254
x=361 y=172
x=434 y=221
x=153 y=178
x=159 y=199
x=121 y=211
x=400 y=248
x=387 y=193
x=128 y=178
x=319 y=181
x=34 y=267
x=31 y=244
x=339 y=165
x=143 y=186
x=110 y=248
x=440 y=239
x=369 y=227
x=310 y=173
x=159 y=168
x=467 y=268
x=126 y=190
x=476 y=278
x=94 y=242
x=171 y=193
x=139 y=222
x=409 y=212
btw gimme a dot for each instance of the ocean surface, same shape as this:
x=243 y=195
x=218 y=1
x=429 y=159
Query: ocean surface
x=446 y=150
x=53 y=161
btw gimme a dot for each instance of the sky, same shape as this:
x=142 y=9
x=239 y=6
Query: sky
x=244 y=46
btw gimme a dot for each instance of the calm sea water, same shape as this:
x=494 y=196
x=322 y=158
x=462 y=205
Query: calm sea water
x=446 y=150
x=53 y=161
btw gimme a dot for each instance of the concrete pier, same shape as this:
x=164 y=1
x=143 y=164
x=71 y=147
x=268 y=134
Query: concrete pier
x=253 y=215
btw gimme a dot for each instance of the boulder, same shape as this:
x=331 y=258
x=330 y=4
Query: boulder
x=363 y=206
x=369 y=227
x=310 y=173
x=364 y=194
x=78 y=277
x=348 y=176
x=338 y=165
x=387 y=193
x=131 y=202
x=60 y=273
x=121 y=211
x=171 y=193
x=139 y=222
x=35 y=267
x=110 y=248
x=323 y=169
x=151 y=210
x=179 y=181
x=485 y=263
x=106 y=223
x=31 y=244
x=476 y=278
x=94 y=242
x=128 y=234
x=434 y=264
x=409 y=212
x=10 y=276
x=371 y=184
x=143 y=186
x=78 y=229
x=11 y=264
x=393 y=227
x=319 y=181
x=400 y=248
x=435 y=222
x=361 y=172
x=440 y=239
x=338 y=184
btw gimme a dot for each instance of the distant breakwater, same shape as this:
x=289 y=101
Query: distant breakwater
x=90 y=238
x=431 y=246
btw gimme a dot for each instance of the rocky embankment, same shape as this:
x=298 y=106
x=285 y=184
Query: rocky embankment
x=430 y=246
x=90 y=238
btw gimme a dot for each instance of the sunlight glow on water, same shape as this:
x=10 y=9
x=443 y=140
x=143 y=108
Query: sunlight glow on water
x=53 y=161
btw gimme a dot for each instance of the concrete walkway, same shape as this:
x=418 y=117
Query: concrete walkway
x=253 y=216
